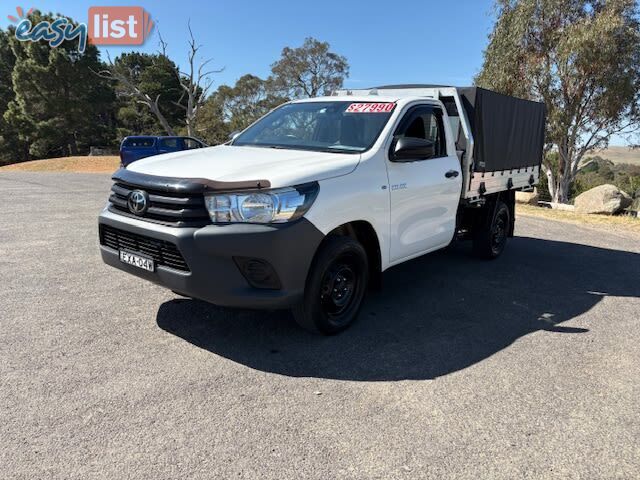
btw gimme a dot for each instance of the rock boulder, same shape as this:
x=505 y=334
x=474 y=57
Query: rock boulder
x=530 y=198
x=605 y=199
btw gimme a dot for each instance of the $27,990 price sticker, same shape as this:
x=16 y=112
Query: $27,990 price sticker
x=370 y=107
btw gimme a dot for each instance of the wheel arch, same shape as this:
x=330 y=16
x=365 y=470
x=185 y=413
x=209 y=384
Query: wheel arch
x=365 y=233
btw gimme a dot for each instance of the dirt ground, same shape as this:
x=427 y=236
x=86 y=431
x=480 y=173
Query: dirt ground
x=611 y=223
x=106 y=164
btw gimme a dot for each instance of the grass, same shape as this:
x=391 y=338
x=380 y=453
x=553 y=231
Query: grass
x=609 y=222
x=107 y=164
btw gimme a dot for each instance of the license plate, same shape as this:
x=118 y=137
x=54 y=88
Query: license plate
x=137 y=261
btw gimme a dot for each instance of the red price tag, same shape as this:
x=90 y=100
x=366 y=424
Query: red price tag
x=370 y=107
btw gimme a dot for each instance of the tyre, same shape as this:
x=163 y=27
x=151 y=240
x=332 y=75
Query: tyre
x=490 y=238
x=336 y=286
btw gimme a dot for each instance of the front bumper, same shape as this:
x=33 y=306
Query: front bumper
x=214 y=275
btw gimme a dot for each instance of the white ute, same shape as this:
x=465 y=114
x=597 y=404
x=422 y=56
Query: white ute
x=309 y=205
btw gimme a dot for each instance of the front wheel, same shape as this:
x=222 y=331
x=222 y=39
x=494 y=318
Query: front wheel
x=491 y=238
x=335 y=287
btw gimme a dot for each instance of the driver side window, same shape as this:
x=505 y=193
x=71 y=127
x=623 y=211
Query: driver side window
x=424 y=122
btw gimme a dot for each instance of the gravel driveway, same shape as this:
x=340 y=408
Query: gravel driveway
x=525 y=367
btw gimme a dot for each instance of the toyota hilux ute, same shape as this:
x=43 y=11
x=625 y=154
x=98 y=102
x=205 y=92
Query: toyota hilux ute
x=308 y=206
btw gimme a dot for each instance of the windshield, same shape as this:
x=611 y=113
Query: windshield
x=349 y=127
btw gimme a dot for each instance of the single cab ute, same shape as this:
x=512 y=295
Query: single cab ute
x=309 y=205
x=134 y=148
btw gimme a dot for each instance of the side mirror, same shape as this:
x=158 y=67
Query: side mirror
x=233 y=135
x=408 y=149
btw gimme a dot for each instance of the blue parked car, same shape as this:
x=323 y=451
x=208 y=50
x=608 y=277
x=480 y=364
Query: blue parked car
x=137 y=147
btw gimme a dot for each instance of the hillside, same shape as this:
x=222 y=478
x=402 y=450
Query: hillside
x=619 y=155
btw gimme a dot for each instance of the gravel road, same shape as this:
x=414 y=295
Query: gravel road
x=526 y=367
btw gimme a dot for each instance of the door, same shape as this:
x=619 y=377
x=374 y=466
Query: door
x=136 y=148
x=424 y=187
x=169 y=144
x=191 y=143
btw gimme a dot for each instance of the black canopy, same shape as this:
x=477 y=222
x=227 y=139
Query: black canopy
x=508 y=132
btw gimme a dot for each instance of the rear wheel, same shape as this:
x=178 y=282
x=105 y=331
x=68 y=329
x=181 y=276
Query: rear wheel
x=335 y=287
x=490 y=239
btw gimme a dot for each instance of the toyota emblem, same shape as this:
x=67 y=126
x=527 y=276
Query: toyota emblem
x=138 y=202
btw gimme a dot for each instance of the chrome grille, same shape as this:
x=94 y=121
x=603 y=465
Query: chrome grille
x=168 y=208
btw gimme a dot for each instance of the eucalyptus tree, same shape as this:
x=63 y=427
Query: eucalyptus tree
x=582 y=59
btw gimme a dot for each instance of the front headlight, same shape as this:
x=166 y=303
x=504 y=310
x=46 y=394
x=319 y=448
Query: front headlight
x=264 y=206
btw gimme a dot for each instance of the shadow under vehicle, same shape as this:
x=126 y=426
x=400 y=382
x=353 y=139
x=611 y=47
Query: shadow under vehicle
x=437 y=314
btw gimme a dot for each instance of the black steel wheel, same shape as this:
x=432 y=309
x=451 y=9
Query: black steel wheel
x=499 y=231
x=490 y=239
x=335 y=287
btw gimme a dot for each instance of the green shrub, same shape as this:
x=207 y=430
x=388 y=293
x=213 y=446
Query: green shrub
x=596 y=171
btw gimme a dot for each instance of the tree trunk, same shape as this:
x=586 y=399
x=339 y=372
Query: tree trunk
x=166 y=127
x=163 y=121
x=551 y=182
x=560 y=182
x=190 y=113
x=189 y=121
x=561 y=193
x=558 y=188
x=73 y=145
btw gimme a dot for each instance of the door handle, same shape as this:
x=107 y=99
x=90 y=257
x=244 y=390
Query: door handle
x=451 y=174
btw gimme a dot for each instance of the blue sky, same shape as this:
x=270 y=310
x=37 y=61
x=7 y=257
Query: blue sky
x=421 y=42
x=412 y=42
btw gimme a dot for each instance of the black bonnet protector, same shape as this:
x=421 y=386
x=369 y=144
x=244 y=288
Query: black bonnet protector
x=183 y=185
